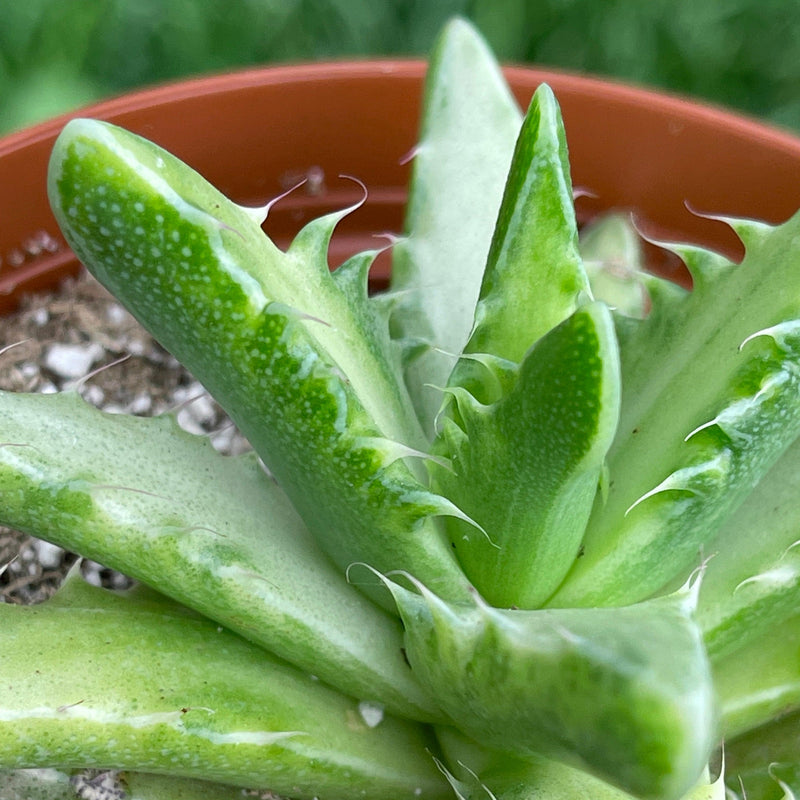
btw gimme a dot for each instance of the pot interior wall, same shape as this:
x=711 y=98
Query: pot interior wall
x=256 y=133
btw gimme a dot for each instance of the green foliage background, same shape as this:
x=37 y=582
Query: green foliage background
x=58 y=54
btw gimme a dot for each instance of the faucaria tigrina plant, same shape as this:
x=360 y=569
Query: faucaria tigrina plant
x=510 y=542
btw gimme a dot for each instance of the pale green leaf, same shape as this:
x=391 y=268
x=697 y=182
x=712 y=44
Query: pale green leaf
x=215 y=533
x=613 y=258
x=469 y=126
x=91 y=678
x=711 y=400
x=625 y=693
x=760 y=681
x=277 y=340
x=534 y=275
x=763 y=764
x=526 y=467
x=483 y=774
x=752 y=578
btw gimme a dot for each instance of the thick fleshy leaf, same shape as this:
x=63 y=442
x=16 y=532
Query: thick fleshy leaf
x=526 y=444
x=555 y=781
x=278 y=341
x=469 y=127
x=764 y=764
x=526 y=467
x=752 y=579
x=711 y=401
x=477 y=773
x=760 y=680
x=624 y=693
x=534 y=275
x=91 y=679
x=136 y=495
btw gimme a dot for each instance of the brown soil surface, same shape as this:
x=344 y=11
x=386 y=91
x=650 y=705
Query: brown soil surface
x=79 y=337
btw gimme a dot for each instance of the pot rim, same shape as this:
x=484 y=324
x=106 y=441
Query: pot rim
x=625 y=92
x=598 y=113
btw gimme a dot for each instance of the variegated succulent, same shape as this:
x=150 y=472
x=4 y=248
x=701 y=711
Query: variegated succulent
x=511 y=541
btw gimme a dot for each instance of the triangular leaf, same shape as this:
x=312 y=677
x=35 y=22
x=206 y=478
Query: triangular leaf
x=526 y=467
x=534 y=275
x=760 y=680
x=272 y=336
x=135 y=681
x=624 y=692
x=711 y=400
x=469 y=126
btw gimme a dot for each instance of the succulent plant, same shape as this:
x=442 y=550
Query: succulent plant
x=500 y=536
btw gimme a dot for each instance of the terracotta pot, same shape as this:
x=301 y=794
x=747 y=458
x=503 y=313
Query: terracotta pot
x=252 y=133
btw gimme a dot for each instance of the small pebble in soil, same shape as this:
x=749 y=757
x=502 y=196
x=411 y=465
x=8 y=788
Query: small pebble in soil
x=72 y=360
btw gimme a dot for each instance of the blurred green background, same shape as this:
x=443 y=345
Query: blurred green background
x=59 y=54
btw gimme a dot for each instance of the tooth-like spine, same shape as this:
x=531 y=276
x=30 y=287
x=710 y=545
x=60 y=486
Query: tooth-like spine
x=751 y=231
x=690 y=480
x=703 y=265
x=780 y=334
x=758 y=600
